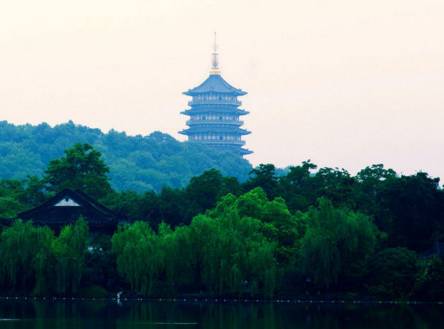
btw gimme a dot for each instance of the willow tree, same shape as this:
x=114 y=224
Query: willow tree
x=234 y=246
x=24 y=256
x=69 y=250
x=139 y=258
x=337 y=244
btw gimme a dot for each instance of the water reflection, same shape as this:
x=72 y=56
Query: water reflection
x=102 y=314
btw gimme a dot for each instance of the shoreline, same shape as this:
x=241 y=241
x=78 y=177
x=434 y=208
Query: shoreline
x=224 y=300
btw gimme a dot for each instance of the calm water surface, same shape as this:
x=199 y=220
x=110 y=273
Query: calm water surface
x=96 y=315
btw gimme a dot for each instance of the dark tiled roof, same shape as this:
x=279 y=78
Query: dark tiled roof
x=51 y=213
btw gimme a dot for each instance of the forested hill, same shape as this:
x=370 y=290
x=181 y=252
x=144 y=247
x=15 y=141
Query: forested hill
x=136 y=163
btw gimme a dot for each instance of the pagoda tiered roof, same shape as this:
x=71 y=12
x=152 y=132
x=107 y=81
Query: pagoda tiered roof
x=214 y=112
x=215 y=84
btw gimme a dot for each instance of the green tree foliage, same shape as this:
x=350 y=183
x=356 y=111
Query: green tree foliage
x=34 y=260
x=234 y=256
x=298 y=186
x=174 y=206
x=205 y=190
x=298 y=230
x=10 y=192
x=336 y=245
x=393 y=273
x=80 y=169
x=23 y=254
x=263 y=176
x=415 y=205
x=139 y=256
x=223 y=252
x=137 y=163
x=430 y=279
x=70 y=249
x=16 y=195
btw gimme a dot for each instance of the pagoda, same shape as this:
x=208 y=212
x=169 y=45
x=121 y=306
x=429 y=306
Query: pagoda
x=214 y=113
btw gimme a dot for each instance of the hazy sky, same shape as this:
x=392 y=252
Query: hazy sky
x=345 y=83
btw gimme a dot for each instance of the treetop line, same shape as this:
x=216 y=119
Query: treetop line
x=305 y=232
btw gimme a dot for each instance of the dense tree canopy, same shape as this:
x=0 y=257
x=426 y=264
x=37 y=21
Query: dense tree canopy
x=299 y=231
x=80 y=169
x=34 y=260
x=137 y=163
x=337 y=244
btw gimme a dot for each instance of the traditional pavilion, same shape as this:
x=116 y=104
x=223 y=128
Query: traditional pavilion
x=68 y=206
x=214 y=113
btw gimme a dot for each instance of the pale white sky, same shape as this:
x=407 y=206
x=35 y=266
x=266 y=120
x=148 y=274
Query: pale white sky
x=345 y=83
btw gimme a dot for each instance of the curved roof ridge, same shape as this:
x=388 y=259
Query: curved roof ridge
x=215 y=83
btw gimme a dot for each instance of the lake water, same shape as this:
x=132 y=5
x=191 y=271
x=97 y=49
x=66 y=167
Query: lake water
x=110 y=315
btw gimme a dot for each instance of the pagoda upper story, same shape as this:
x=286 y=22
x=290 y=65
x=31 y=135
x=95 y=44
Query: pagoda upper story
x=214 y=113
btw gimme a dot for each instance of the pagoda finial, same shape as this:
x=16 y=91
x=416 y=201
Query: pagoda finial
x=215 y=62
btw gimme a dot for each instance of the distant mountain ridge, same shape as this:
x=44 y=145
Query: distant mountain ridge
x=136 y=163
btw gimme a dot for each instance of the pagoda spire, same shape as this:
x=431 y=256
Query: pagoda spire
x=215 y=60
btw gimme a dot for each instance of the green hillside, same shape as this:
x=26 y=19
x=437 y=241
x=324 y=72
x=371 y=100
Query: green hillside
x=136 y=163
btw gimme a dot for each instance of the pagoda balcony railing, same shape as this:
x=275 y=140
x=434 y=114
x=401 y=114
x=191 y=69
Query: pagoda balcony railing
x=214 y=102
x=203 y=110
x=223 y=122
x=218 y=142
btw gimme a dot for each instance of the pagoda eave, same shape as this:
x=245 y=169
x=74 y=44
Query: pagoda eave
x=215 y=84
